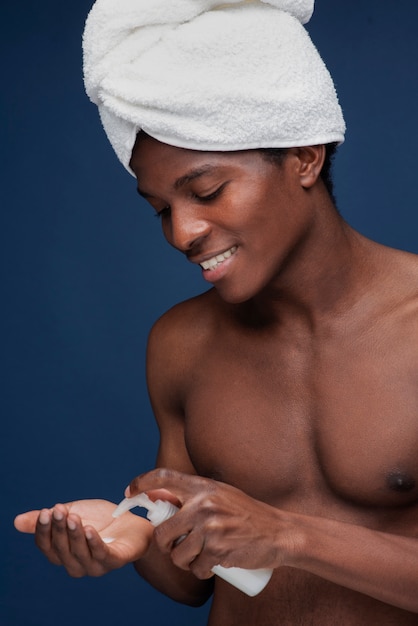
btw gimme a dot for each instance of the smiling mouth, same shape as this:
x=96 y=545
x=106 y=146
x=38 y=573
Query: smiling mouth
x=213 y=263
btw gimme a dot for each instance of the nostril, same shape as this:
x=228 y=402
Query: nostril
x=186 y=235
x=196 y=242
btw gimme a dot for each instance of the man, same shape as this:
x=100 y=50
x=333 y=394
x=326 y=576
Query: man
x=286 y=394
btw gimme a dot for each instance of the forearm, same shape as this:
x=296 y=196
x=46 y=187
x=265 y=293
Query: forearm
x=180 y=585
x=236 y=530
x=380 y=565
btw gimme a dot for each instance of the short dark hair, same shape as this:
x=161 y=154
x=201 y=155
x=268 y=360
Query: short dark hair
x=277 y=155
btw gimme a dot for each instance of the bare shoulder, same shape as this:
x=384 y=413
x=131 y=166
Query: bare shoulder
x=186 y=326
x=176 y=348
x=409 y=261
x=404 y=266
x=398 y=298
x=396 y=278
x=176 y=344
x=409 y=305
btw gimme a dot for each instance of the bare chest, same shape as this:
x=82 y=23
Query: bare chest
x=340 y=429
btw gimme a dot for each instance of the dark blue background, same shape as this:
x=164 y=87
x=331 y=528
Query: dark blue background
x=86 y=272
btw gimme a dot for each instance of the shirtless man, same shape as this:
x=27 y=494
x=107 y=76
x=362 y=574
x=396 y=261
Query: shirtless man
x=285 y=398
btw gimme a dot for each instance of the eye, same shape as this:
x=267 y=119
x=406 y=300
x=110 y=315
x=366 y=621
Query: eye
x=212 y=195
x=165 y=212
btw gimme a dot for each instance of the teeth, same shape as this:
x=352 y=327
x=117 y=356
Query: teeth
x=210 y=264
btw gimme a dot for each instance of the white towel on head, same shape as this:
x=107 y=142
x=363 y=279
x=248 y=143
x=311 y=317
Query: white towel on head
x=209 y=75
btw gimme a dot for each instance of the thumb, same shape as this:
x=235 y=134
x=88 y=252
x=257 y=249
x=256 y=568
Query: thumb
x=163 y=494
x=26 y=522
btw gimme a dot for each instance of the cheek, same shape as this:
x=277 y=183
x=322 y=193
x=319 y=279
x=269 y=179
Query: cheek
x=262 y=222
x=253 y=211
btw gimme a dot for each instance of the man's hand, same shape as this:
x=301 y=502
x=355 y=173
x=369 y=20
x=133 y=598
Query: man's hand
x=72 y=535
x=218 y=524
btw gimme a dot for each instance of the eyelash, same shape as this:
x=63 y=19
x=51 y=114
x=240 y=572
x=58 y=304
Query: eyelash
x=160 y=214
x=203 y=199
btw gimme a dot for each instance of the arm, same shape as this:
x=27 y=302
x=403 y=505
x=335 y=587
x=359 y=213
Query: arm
x=236 y=530
x=381 y=565
x=166 y=373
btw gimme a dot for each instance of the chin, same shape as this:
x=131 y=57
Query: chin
x=237 y=296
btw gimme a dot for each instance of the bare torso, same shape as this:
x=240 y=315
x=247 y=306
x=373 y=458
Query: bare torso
x=319 y=420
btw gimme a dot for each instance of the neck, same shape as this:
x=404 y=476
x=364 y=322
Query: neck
x=325 y=275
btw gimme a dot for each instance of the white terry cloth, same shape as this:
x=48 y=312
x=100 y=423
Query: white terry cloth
x=209 y=75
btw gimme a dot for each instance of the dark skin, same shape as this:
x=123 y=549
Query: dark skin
x=286 y=398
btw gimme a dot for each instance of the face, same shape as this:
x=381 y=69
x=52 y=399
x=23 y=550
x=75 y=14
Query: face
x=235 y=214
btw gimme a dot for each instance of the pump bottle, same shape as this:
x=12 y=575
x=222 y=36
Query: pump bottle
x=249 y=581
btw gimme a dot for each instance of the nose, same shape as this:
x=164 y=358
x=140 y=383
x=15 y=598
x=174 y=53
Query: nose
x=185 y=229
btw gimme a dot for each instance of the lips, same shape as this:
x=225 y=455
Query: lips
x=215 y=261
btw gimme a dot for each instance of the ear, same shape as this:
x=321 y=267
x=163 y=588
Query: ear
x=311 y=160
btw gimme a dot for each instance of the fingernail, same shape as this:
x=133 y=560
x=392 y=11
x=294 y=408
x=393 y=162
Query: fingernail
x=58 y=516
x=89 y=535
x=44 y=517
x=71 y=524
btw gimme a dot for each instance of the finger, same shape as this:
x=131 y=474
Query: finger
x=182 y=485
x=163 y=494
x=200 y=568
x=70 y=544
x=43 y=535
x=60 y=543
x=45 y=538
x=26 y=522
x=78 y=542
x=98 y=550
x=185 y=552
x=172 y=532
x=88 y=552
x=191 y=555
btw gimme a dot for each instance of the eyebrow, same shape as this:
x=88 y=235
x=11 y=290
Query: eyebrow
x=193 y=174
x=184 y=180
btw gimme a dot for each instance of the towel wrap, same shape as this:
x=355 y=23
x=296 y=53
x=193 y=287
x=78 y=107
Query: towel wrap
x=209 y=75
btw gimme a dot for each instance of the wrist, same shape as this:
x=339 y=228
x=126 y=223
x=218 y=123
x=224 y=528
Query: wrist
x=290 y=540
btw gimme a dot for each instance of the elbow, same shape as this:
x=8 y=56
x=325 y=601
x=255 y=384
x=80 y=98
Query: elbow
x=179 y=585
x=206 y=592
x=196 y=595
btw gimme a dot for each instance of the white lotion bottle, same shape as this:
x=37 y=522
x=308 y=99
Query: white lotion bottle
x=250 y=581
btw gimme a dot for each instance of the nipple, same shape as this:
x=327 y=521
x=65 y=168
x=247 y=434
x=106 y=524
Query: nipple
x=400 y=481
